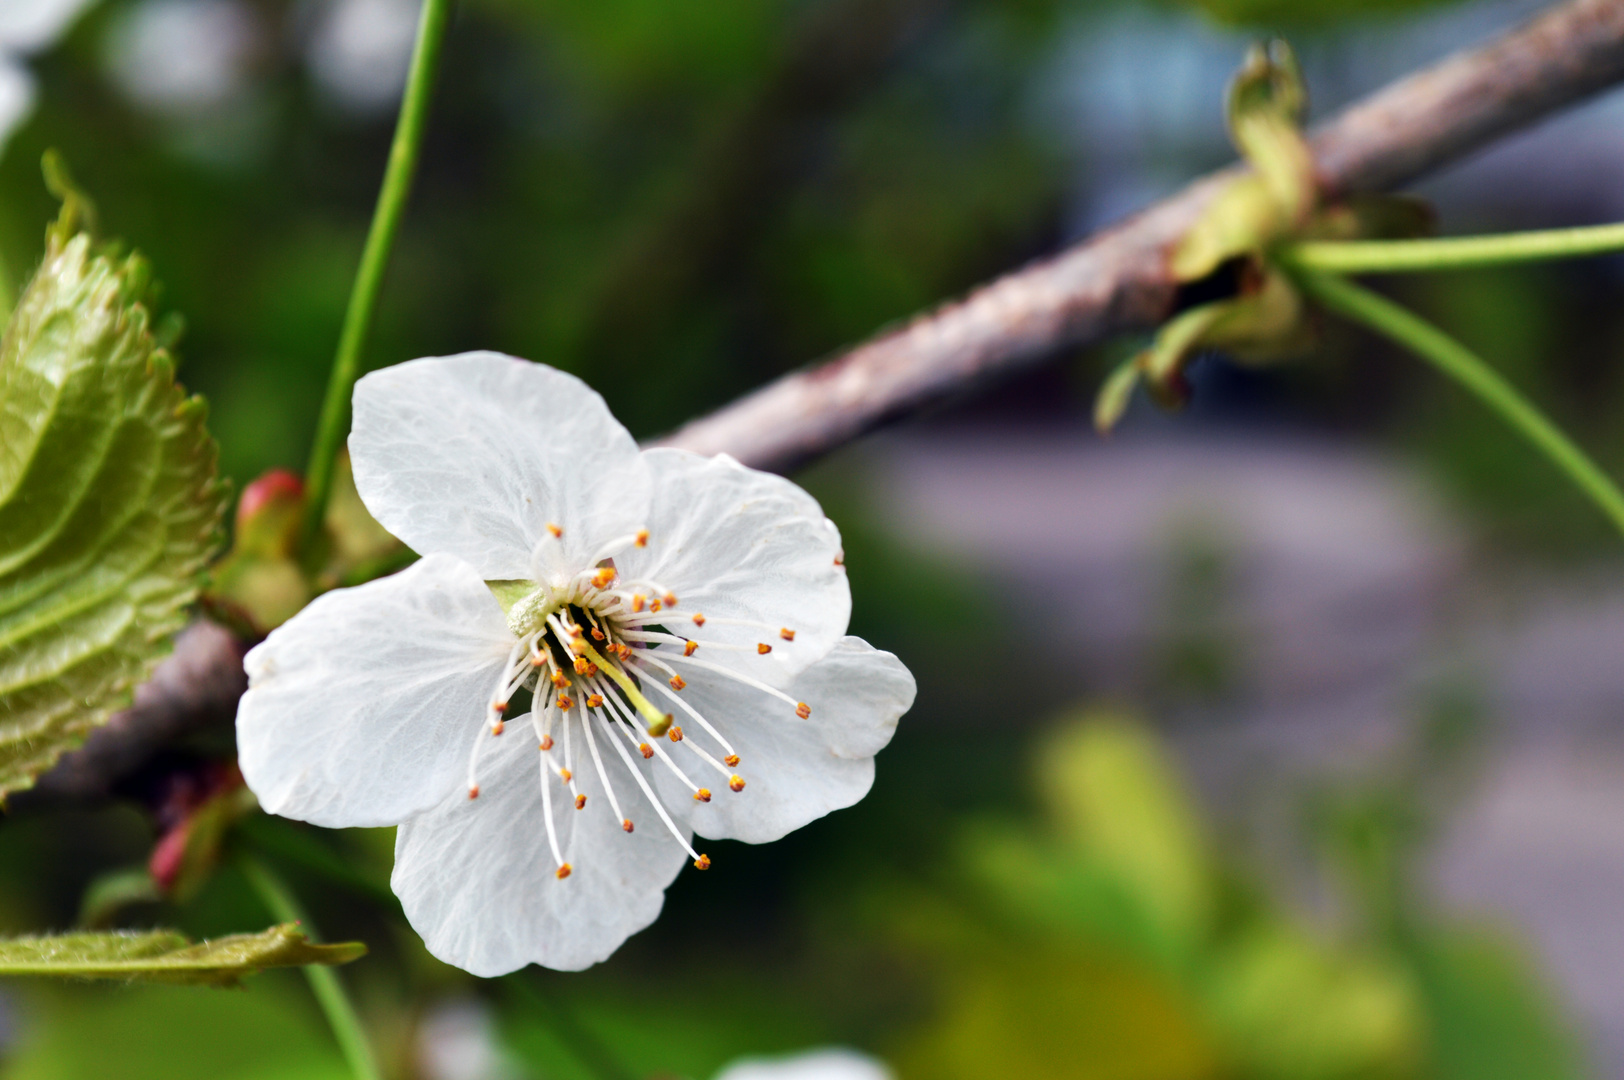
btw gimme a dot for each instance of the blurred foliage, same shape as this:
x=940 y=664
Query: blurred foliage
x=1118 y=942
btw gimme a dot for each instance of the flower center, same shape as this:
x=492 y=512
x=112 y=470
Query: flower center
x=591 y=649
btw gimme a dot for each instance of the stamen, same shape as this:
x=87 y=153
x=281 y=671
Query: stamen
x=580 y=802
x=739 y=677
x=638 y=601
x=557 y=533
x=732 y=760
x=690 y=648
x=762 y=648
x=670 y=599
x=641 y=540
x=657 y=721
x=699 y=618
x=702 y=795
x=547 y=797
x=646 y=748
x=803 y=710
x=787 y=634
x=597 y=760
x=594 y=701
x=677 y=682
x=735 y=783
x=648 y=793
x=702 y=863
x=564 y=871
x=687 y=708
x=675 y=734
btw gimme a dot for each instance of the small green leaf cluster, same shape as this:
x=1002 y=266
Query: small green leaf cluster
x=1259 y=315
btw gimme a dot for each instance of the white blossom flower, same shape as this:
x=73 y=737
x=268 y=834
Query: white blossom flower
x=678 y=622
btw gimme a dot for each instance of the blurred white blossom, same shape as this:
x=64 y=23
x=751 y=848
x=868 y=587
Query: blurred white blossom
x=27 y=27
x=182 y=56
x=360 y=51
x=828 y=1063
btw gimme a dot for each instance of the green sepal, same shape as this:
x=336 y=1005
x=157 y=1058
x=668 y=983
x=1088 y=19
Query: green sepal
x=165 y=956
x=109 y=501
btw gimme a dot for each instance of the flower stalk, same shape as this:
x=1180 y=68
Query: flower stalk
x=1459 y=363
x=392 y=196
x=1452 y=253
x=324 y=983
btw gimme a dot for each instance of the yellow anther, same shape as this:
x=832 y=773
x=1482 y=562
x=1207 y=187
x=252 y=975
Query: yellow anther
x=555 y=530
x=646 y=750
x=597 y=635
x=565 y=775
x=803 y=710
x=690 y=648
x=702 y=795
x=702 y=863
x=675 y=734
x=670 y=599
x=594 y=701
x=560 y=680
x=641 y=541
x=762 y=648
x=473 y=791
x=735 y=782
x=565 y=702
x=626 y=824
x=604 y=576
x=731 y=761
x=498 y=727
x=538 y=660
x=546 y=742
x=499 y=707
x=639 y=601
x=787 y=634
x=699 y=618
x=564 y=871
x=654 y=604
x=581 y=665
x=677 y=683
x=580 y=802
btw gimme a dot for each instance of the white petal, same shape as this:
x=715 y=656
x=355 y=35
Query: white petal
x=361 y=709
x=735 y=543
x=477 y=879
x=475 y=455
x=795 y=770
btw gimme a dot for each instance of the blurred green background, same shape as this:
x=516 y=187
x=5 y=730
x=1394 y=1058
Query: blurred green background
x=680 y=202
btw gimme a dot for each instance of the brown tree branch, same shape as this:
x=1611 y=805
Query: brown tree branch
x=1119 y=280
x=1113 y=282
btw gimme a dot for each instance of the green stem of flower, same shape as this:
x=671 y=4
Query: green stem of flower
x=397 y=184
x=1452 y=253
x=324 y=982
x=1456 y=361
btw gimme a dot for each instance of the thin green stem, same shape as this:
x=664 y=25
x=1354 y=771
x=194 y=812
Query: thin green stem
x=397 y=184
x=324 y=982
x=1459 y=363
x=1452 y=253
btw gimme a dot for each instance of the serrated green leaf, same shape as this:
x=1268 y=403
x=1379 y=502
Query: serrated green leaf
x=109 y=504
x=168 y=957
